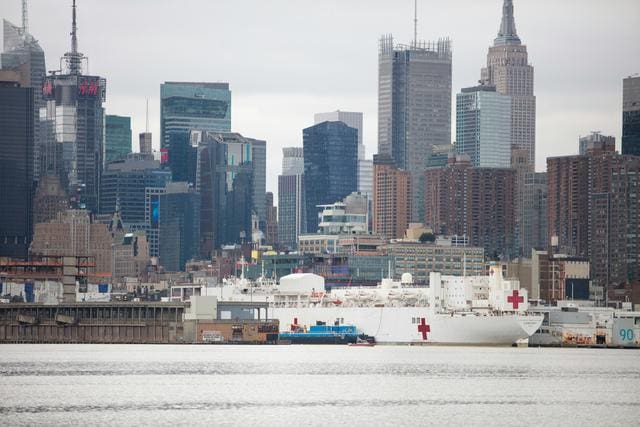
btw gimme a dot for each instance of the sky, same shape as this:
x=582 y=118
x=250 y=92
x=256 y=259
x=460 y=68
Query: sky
x=288 y=59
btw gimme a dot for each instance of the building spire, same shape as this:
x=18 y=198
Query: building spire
x=25 y=19
x=507 y=33
x=74 y=58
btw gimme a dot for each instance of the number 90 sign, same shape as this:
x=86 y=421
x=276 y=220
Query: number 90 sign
x=626 y=334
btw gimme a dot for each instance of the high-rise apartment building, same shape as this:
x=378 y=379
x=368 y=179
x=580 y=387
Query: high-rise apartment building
x=509 y=71
x=596 y=141
x=414 y=107
x=291 y=206
x=483 y=126
x=187 y=106
x=117 y=143
x=593 y=212
x=391 y=198
x=631 y=115
x=16 y=169
x=22 y=53
x=72 y=123
x=330 y=166
x=179 y=225
x=477 y=203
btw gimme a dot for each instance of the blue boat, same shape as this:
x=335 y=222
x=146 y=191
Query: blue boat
x=322 y=334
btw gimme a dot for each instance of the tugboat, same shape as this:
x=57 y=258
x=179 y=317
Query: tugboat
x=320 y=333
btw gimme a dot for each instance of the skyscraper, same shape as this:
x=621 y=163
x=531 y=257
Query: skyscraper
x=73 y=126
x=509 y=71
x=354 y=120
x=16 y=169
x=243 y=165
x=483 y=126
x=631 y=116
x=187 y=106
x=179 y=225
x=391 y=198
x=123 y=187
x=330 y=166
x=117 y=142
x=291 y=206
x=22 y=53
x=414 y=106
x=534 y=218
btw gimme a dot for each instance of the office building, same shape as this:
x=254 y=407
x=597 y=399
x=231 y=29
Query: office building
x=473 y=202
x=22 y=54
x=187 y=106
x=74 y=233
x=509 y=71
x=631 y=115
x=16 y=168
x=117 y=143
x=145 y=141
x=483 y=126
x=440 y=155
x=330 y=166
x=179 y=225
x=50 y=199
x=391 y=198
x=291 y=206
x=420 y=259
x=72 y=121
x=123 y=187
x=414 y=107
x=231 y=181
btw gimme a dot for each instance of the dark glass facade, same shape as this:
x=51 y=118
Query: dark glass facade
x=213 y=201
x=330 y=166
x=117 y=137
x=179 y=226
x=631 y=132
x=74 y=123
x=124 y=183
x=16 y=169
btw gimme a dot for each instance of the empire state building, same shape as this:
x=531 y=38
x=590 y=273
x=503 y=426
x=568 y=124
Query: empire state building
x=509 y=71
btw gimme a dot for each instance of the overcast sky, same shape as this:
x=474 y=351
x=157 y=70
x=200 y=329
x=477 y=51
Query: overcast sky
x=288 y=59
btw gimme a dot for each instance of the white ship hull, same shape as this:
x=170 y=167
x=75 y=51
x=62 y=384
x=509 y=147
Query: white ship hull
x=405 y=324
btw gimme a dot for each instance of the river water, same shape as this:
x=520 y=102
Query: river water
x=316 y=385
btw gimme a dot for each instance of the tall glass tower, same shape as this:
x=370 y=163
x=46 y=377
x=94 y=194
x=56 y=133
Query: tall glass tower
x=483 y=126
x=187 y=106
x=414 y=107
x=330 y=166
x=22 y=53
x=72 y=123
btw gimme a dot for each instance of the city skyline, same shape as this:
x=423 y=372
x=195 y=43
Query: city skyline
x=322 y=72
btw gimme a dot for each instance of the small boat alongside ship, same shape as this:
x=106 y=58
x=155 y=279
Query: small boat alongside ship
x=323 y=334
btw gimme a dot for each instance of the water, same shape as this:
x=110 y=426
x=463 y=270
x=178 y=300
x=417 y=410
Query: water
x=316 y=385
